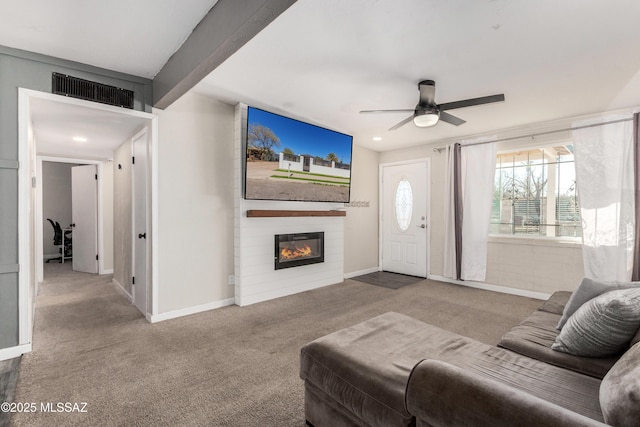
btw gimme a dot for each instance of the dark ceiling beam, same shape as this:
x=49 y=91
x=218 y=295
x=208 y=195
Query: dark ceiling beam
x=225 y=29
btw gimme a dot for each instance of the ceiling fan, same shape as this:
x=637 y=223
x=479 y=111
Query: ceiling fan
x=427 y=113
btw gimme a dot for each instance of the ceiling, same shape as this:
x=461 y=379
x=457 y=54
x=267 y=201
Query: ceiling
x=324 y=61
x=56 y=123
x=135 y=37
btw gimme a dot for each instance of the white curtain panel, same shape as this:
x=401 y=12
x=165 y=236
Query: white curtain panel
x=605 y=182
x=478 y=168
x=449 y=218
x=478 y=174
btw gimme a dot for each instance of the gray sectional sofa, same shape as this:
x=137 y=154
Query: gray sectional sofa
x=393 y=370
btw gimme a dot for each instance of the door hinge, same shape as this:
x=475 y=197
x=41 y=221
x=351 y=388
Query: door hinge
x=96 y=177
x=96 y=257
x=133 y=280
x=33 y=182
x=133 y=160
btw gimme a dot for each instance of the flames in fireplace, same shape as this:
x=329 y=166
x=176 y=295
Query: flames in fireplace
x=295 y=252
x=298 y=249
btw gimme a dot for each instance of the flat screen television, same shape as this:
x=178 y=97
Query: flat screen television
x=290 y=160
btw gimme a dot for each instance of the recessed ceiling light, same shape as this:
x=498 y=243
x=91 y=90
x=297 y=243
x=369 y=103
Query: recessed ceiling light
x=79 y=139
x=377 y=138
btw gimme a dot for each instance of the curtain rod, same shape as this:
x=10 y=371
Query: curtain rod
x=533 y=135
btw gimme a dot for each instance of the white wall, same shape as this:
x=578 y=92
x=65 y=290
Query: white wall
x=530 y=264
x=106 y=182
x=361 y=222
x=534 y=264
x=122 y=221
x=195 y=203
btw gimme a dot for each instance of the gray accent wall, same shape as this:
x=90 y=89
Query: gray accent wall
x=21 y=69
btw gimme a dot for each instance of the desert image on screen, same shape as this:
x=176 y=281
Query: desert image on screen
x=287 y=159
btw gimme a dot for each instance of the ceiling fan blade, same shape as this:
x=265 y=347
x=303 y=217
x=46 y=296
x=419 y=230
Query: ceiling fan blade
x=427 y=90
x=402 y=123
x=450 y=118
x=408 y=110
x=471 y=102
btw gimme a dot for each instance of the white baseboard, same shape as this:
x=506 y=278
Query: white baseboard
x=11 y=352
x=154 y=318
x=50 y=256
x=109 y=271
x=361 y=272
x=122 y=290
x=495 y=288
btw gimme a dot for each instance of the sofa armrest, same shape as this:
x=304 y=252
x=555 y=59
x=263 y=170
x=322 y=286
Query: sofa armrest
x=440 y=394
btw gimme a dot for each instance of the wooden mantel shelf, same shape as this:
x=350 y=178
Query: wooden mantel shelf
x=259 y=213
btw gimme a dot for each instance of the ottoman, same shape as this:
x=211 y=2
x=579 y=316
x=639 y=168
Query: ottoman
x=359 y=375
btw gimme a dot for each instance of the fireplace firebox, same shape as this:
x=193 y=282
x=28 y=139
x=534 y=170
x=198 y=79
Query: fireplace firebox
x=294 y=250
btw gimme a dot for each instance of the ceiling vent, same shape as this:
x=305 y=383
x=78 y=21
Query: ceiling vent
x=91 y=91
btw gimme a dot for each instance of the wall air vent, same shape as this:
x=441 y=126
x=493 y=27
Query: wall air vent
x=91 y=91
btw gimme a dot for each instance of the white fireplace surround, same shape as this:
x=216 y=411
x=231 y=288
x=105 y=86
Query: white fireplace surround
x=256 y=279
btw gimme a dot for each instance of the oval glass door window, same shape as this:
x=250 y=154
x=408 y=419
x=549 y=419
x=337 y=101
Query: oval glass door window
x=404 y=204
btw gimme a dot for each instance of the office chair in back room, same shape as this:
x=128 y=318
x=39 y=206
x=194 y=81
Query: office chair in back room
x=57 y=241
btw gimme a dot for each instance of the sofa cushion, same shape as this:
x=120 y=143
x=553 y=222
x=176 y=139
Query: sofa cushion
x=365 y=368
x=636 y=339
x=533 y=338
x=587 y=290
x=571 y=390
x=441 y=394
x=620 y=391
x=604 y=326
x=556 y=302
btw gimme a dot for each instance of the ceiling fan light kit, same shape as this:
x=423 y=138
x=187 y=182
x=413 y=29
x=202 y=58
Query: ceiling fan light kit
x=427 y=113
x=426 y=118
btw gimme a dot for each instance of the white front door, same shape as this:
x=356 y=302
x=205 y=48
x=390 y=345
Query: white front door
x=404 y=218
x=141 y=235
x=84 y=218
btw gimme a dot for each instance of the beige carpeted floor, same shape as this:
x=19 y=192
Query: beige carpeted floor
x=232 y=366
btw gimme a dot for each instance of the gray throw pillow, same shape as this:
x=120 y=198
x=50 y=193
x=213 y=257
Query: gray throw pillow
x=620 y=391
x=588 y=289
x=603 y=326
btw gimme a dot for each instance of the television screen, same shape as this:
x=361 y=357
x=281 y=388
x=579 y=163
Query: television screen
x=287 y=159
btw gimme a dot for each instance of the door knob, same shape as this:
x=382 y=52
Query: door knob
x=142 y=236
x=422 y=226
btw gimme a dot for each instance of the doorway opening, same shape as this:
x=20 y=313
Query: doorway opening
x=61 y=129
x=72 y=194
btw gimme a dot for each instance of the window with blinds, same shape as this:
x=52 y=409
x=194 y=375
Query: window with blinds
x=535 y=193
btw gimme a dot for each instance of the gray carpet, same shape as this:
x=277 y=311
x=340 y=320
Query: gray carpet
x=8 y=378
x=387 y=279
x=232 y=366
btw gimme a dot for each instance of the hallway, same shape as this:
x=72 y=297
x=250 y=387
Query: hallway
x=76 y=314
x=71 y=305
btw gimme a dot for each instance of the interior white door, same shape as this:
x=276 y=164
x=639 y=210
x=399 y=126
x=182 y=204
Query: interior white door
x=404 y=218
x=84 y=214
x=140 y=232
